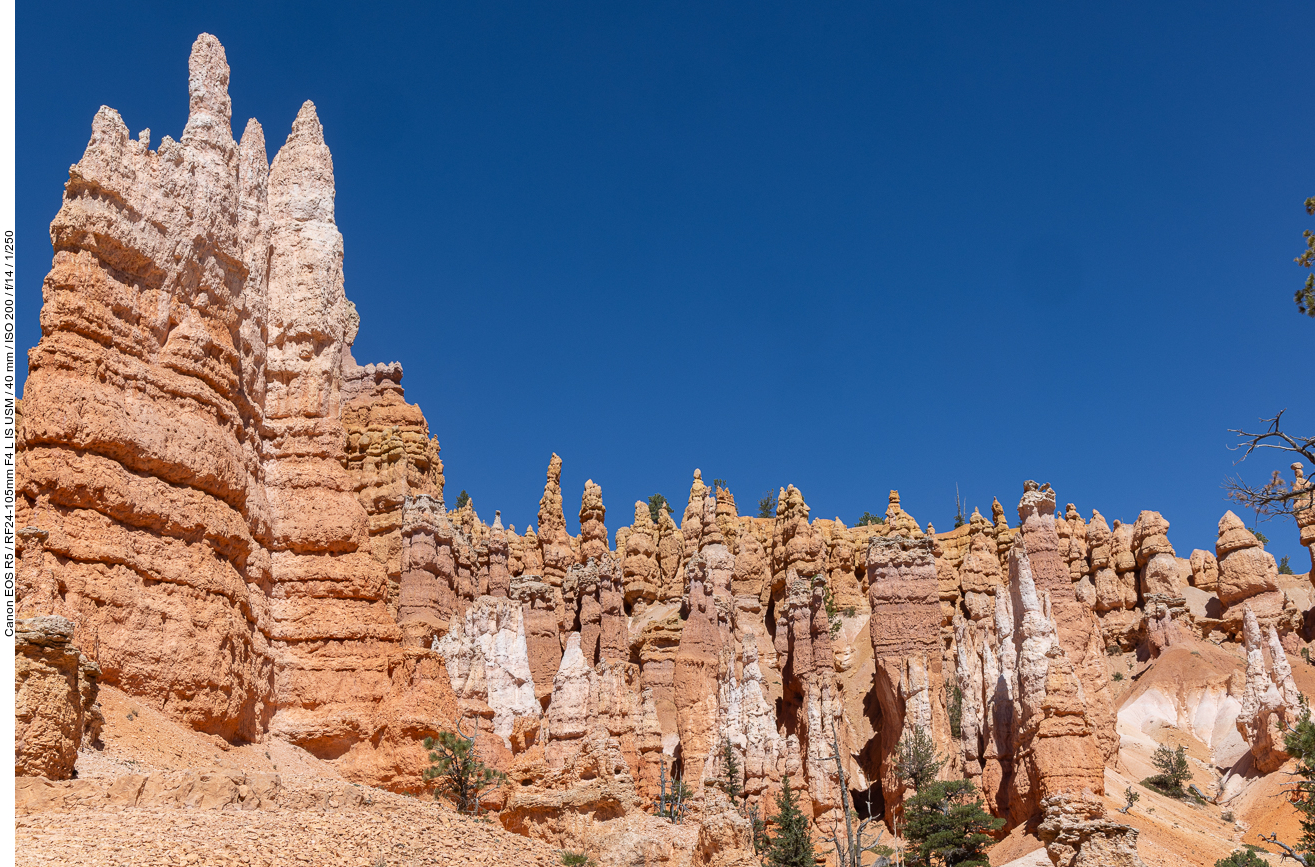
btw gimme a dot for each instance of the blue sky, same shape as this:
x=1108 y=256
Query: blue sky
x=852 y=247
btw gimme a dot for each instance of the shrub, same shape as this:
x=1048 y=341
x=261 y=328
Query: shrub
x=1118 y=675
x=577 y=859
x=1228 y=816
x=1243 y=858
x=869 y=518
x=832 y=611
x=767 y=506
x=1283 y=567
x=1130 y=797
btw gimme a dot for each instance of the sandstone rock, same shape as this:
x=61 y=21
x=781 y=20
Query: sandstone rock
x=54 y=698
x=488 y=662
x=1304 y=511
x=1205 y=570
x=1077 y=628
x=554 y=541
x=593 y=533
x=1270 y=700
x=1245 y=568
x=1077 y=833
x=905 y=631
x=1155 y=556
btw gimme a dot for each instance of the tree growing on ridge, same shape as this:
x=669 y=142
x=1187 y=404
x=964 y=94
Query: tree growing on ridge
x=656 y=504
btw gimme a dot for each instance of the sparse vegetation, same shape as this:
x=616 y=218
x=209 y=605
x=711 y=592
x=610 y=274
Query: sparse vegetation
x=1243 y=858
x=1227 y=816
x=869 y=518
x=1117 y=676
x=577 y=859
x=672 y=795
x=461 y=776
x=462 y=499
x=761 y=842
x=1284 y=567
x=719 y=485
x=767 y=506
x=954 y=705
x=656 y=504
x=1173 y=771
x=1130 y=797
x=916 y=761
x=1260 y=537
x=947 y=823
x=832 y=612
x=790 y=846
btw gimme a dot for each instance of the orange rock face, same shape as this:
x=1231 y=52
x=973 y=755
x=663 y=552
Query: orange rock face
x=227 y=529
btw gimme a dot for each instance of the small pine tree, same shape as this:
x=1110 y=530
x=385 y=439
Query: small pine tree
x=832 y=611
x=656 y=504
x=1174 y=770
x=461 y=776
x=1130 y=797
x=761 y=842
x=730 y=769
x=791 y=846
x=916 y=760
x=462 y=499
x=946 y=823
x=767 y=506
x=1284 y=566
x=954 y=706
x=869 y=518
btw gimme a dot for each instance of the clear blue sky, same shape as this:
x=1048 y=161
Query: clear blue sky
x=851 y=247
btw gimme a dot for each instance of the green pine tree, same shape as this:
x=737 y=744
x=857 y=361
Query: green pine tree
x=791 y=846
x=946 y=823
x=461 y=776
x=916 y=759
x=730 y=769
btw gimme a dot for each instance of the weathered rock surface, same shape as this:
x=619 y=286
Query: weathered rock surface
x=1077 y=833
x=54 y=698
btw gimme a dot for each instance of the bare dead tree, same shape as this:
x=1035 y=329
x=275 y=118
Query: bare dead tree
x=849 y=853
x=1277 y=497
x=1289 y=852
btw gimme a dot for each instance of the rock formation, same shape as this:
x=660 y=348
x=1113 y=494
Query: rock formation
x=54 y=698
x=245 y=529
x=1270 y=700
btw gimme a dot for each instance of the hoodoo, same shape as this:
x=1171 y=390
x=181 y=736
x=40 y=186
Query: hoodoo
x=234 y=528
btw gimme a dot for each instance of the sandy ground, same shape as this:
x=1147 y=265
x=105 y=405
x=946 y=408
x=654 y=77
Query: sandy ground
x=310 y=823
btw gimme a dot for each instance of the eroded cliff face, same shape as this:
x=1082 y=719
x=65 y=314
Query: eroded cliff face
x=247 y=530
x=185 y=450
